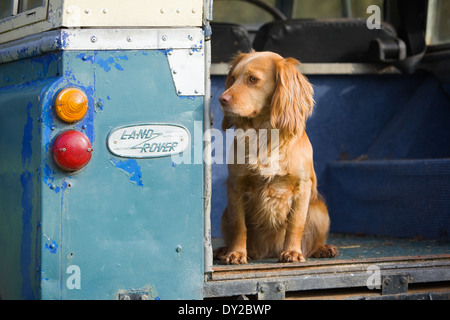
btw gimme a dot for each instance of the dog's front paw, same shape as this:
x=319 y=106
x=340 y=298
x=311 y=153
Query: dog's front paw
x=326 y=251
x=234 y=257
x=220 y=252
x=291 y=256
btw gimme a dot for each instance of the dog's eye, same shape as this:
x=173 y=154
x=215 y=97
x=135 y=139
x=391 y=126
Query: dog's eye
x=252 y=79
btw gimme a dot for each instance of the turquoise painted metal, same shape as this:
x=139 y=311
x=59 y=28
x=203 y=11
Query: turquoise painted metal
x=119 y=225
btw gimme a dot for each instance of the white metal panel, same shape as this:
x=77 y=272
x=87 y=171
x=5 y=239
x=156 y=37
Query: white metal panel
x=188 y=67
x=98 y=13
x=102 y=13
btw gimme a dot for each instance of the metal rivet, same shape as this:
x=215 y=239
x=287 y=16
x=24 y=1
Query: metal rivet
x=174 y=71
x=93 y=39
x=280 y=287
x=194 y=11
x=387 y=281
x=178 y=249
x=179 y=91
x=190 y=37
x=164 y=37
x=83 y=127
x=163 y=11
x=105 y=11
x=63 y=149
x=69 y=11
x=89 y=150
x=195 y=91
x=87 y=11
x=178 y=10
x=129 y=39
x=262 y=289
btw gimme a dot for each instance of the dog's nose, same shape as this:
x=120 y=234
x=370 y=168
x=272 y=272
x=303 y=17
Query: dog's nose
x=225 y=98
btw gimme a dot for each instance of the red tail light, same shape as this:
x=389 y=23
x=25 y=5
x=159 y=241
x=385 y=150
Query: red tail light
x=71 y=150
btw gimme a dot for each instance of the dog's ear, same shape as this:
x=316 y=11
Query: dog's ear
x=292 y=102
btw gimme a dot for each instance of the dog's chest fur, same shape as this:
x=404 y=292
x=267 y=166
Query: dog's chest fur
x=268 y=202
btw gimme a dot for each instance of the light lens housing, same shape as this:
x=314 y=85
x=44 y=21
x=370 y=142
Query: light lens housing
x=71 y=104
x=71 y=150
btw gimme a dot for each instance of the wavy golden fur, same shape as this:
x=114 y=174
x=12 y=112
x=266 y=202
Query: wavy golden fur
x=273 y=210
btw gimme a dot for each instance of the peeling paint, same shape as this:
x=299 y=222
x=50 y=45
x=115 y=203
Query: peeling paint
x=131 y=168
x=52 y=247
x=106 y=63
x=26 y=180
x=27 y=137
x=27 y=229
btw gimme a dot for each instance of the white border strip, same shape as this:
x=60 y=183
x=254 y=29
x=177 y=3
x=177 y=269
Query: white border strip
x=102 y=39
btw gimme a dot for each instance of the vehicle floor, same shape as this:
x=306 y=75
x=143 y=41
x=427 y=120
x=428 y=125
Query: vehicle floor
x=366 y=247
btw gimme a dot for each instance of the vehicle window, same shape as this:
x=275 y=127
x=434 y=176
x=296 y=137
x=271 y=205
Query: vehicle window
x=438 y=22
x=333 y=8
x=241 y=12
x=10 y=8
x=6 y=9
x=25 y=5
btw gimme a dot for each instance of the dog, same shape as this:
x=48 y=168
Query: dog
x=273 y=211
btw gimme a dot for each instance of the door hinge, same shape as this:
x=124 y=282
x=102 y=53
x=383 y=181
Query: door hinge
x=394 y=284
x=271 y=291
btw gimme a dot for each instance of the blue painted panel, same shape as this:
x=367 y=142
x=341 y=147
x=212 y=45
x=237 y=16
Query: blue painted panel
x=121 y=220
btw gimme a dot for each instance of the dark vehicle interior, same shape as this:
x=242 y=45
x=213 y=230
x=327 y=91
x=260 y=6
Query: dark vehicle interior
x=380 y=133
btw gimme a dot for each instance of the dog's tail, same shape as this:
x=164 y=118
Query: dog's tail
x=316 y=232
